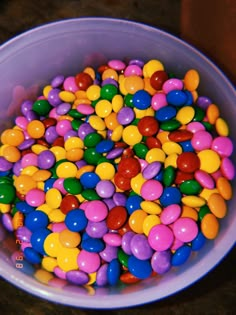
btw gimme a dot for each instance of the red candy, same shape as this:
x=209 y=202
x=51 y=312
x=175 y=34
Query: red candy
x=148 y=126
x=180 y=135
x=188 y=162
x=158 y=78
x=129 y=167
x=152 y=142
x=69 y=203
x=116 y=218
x=83 y=81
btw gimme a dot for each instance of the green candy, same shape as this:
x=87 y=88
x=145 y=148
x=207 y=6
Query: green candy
x=203 y=211
x=140 y=150
x=76 y=123
x=90 y=194
x=91 y=156
x=190 y=187
x=123 y=257
x=7 y=193
x=5 y=180
x=207 y=125
x=128 y=100
x=170 y=125
x=41 y=107
x=72 y=185
x=168 y=175
x=75 y=114
x=108 y=91
x=92 y=139
x=199 y=114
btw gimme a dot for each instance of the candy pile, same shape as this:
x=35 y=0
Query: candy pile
x=115 y=174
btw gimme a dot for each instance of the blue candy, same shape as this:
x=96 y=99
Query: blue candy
x=89 y=180
x=24 y=266
x=165 y=113
x=189 y=97
x=141 y=269
x=113 y=272
x=37 y=240
x=93 y=245
x=104 y=146
x=177 y=98
x=36 y=220
x=76 y=220
x=187 y=146
x=170 y=195
x=23 y=207
x=49 y=184
x=198 y=242
x=141 y=99
x=181 y=255
x=32 y=256
x=133 y=203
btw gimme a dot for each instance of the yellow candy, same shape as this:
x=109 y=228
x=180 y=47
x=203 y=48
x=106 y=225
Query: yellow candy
x=155 y=154
x=110 y=74
x=5 y=208
x=206 y=193
x=46 y=90
x=38 y=148
x=191 y=80
x=152 y=66
x=103 y=108
x=93 y=92
x=73 y=142
x=193 y=201
x=66 y=169
x=117 y=103
x=24 y=183
x=59 y=152
x=43 y=276
x=122 y=88
x=185 y=115
x=171 y=160
x=52 y=245
x=29 y=170
x=171 y=147
x=67 y=258
x=131 y=135
x=97 y=122
x=117 y=133
x=151 y=207
x=92 y=278
x=222 y=127
x=224 y=187
x=67 y=96
x=137 y=182
x=105 y=171
x=210 y=226
x=56 y=216
x=49 y=263
x=69 y=239
x=136 y=220
x=149 y=222
x=91 y=72
x=45 y=208
x=217 y=205
x=209 y=161
x=53 y=198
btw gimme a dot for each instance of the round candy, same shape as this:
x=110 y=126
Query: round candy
x=76 y=220
x=88 y=262
x=140 y=247
x=116 y=218
x=161 y=262
x=129 y=167
x=160 y=237
x=96 y=211
x=139 y=268
x=185 y=229
x=151 y=189
x=189 y=162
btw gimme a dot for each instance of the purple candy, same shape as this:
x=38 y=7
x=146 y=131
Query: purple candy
x=63 y=108
x=109 y=202
x=31 y=115
x=69 y=134
x=161 y=261
x=136 y=62
x=53 y=97
x=80 y=163
x=125 y=115
x=17 y=168
x=84 y=130
x=23 y=234
x=5 y=165
x=140 y=247
x=51 y=134
x=105 y=189
x=26 y=144
x=126 y=240
x=101 y=278
x=109 y=253
x=115 y=153
x=77 y=277
x=109 y=81
x=46 y=159
x=119 y=199
x=26 y=106
x=57 y=81
x=7 y=222
x=203 y=102
x=96 y=229
x=151 y=170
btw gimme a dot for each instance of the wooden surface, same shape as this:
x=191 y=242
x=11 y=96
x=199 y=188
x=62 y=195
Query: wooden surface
x=212 y=295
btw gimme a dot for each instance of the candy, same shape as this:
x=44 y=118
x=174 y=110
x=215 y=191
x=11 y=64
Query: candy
x=115 y=174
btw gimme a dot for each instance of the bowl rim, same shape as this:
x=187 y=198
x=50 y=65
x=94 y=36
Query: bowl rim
x=148 y=295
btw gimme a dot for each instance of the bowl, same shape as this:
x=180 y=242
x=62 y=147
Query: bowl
x=30 y=60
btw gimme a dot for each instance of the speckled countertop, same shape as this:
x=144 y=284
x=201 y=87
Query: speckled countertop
x=215 y=294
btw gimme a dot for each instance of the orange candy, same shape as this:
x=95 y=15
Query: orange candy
x=35 y=129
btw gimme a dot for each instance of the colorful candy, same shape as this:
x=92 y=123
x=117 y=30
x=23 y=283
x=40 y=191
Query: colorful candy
x=114 y=174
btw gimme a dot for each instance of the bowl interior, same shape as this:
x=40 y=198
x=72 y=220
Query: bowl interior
x=30 y=60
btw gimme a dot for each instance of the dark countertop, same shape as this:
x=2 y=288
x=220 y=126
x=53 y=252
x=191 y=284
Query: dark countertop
x=212 y=295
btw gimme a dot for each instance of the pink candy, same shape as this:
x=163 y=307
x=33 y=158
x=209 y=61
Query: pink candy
x=160 y=237
x=96 y=211
x=88 y=262
x=151 y=189
x=185 y=229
